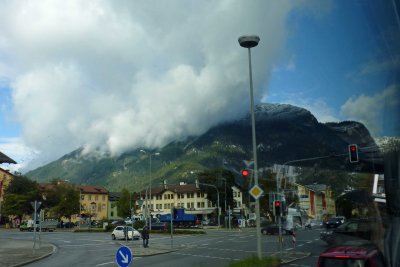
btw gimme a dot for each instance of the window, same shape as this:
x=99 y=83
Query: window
x=238 y=194
x=198 y=194
x=234 y=194
x=96 y=198
x=104 y=198
x=198 y=204
x=99 y=208
x=90 y=197
x=83 y=197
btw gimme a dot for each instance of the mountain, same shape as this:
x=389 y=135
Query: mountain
x=285 y=133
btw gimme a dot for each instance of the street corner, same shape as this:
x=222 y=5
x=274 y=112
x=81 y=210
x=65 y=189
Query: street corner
x=21 y=252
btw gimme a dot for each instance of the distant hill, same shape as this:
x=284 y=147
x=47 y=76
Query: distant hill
x=284 y=133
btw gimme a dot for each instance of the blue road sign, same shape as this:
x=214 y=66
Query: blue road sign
x=124 y=256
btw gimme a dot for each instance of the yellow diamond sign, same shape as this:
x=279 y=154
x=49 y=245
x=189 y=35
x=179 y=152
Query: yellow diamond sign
x=256 y=192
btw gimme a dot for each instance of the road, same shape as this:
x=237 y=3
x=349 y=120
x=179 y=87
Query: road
x=216 y=248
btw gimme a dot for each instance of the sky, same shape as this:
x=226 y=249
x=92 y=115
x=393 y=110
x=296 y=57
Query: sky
x=111 y=76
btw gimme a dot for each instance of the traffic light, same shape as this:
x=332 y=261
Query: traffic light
x=353 y=153
x=277 y=207
x=245 y=173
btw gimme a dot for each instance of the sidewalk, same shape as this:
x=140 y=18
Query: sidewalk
x=20 y=252
x=154 y=249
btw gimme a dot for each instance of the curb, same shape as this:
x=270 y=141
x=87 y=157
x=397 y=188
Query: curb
x=38 y=258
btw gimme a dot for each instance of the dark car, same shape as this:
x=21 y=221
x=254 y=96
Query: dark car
x=333 y=222
x=69 y=225
x=360 y=256
x=159 y=226
x=352 y=230
x=119 y=222
x=274 y=229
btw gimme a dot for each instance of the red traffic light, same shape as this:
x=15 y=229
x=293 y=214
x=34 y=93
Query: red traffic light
x=277 y=203
x=245 y=173
x=353 y=153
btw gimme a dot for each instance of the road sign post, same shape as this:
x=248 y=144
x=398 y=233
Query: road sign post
x=124 y=256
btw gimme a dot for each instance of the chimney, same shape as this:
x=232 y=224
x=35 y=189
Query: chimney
x=165 y=184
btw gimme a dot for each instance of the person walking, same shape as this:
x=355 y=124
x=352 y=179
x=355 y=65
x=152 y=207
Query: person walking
x=145 y=237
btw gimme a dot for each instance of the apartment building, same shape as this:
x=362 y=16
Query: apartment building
x=182 y=195
x=317 y=200
x=94 y=201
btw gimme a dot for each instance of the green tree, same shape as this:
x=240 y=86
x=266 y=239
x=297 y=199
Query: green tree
x=62 y=200
x=18 y=196
x=123 y=204
x=217 y=177
x=338 y=181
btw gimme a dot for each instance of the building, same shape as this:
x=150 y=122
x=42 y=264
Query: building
x=112 y=211
x=94 y=202
x=182 y=195
x=239 y=207
x=5 y=179
x=317 y=200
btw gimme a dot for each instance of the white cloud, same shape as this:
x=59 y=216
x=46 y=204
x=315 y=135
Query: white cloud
x=318 y=107
x=18 y=151
x=370 y=109
x=127 y=74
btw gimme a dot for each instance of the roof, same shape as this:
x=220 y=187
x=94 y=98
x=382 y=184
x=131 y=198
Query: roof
x=114 y=196
x=5 y=159
x=179 y=189
x=93 y=189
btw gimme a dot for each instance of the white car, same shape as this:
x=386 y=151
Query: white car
x=119 y=233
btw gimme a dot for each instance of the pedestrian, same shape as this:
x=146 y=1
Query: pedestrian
x=145 y=237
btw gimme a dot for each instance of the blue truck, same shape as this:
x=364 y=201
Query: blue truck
x=180 y=218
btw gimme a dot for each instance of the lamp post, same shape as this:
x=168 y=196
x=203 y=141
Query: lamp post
x=150 y=154
x=219 y=208
x=249 y=41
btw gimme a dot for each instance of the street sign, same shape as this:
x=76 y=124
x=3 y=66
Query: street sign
x=248 y=163
x=256 y=191
x=123 y=256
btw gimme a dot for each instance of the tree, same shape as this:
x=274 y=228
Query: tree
x=63 y=200
x=338 y=181
x=18 y=196
x=216 y=177
x=123 y=204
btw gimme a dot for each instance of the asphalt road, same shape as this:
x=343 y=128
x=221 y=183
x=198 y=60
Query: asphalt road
x=216 y=248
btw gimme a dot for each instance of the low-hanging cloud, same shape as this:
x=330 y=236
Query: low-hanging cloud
x=370 y=110
x=119 y=75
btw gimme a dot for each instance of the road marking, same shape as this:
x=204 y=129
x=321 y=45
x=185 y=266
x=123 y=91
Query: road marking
x=204 y=256
x=299 y=265
x=316 y=239
x=300 y=245
x=289 y=249
x=106 y=263
x=309 y=242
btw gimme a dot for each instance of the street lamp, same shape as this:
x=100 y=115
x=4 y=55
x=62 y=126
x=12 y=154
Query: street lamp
x=150 y=154
x=249 y=41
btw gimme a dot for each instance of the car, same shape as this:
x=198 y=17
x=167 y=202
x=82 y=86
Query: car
x=355 y=229
x=69 y=225
x=119 y=222
x=120 y=232
x=205 y=221
x=352 y=255
x=274 y=229
x=333 y=222
x=159 y=226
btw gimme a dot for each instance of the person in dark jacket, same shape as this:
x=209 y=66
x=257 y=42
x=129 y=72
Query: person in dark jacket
x=145 y=236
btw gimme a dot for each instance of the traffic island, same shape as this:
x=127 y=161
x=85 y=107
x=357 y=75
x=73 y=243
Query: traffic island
x=153 y=249
x=20 y=252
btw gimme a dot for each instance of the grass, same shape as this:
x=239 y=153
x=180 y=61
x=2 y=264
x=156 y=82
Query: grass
x=255 y=262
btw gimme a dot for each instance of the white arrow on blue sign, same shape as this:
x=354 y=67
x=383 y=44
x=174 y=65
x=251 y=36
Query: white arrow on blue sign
x=124 y=256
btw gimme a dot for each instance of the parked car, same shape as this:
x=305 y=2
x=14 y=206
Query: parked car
x=120 y=233
x=274 y=229
x=159 y=226
x=364 y=255
x=69 y=225
x=119 y=222
x=351 y=230
x=333 y=222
